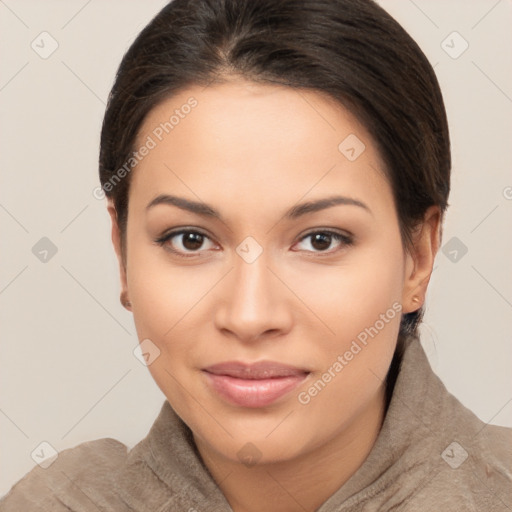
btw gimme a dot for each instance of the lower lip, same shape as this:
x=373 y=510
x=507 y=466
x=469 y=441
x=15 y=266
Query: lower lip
x=253 y=392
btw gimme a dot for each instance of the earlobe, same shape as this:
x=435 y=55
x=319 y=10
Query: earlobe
x=421 y=255
x=116 y=242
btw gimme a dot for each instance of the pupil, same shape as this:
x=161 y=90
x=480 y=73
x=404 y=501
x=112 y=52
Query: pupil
x=321 y=237
x=193 y=241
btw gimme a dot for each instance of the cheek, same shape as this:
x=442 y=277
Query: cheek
x=160 y=302
x=162 y=292
x=168 y=309
x=361 y=304
x=350 y=297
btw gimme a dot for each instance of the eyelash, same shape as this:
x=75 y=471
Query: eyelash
x=346 y=240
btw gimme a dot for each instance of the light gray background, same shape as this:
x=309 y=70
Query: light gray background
x=67 y=372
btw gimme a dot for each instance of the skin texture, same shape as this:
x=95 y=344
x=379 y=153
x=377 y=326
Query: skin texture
x=252 y=152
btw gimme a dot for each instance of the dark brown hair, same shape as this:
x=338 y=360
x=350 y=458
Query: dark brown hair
x=352 y=50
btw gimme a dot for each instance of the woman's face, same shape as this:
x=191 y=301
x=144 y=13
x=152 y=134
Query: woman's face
x=256 y=275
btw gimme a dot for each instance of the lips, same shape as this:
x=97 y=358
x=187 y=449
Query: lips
x=253 y=385
x=259 y=370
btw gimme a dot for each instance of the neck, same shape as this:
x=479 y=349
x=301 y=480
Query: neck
x=305 y=482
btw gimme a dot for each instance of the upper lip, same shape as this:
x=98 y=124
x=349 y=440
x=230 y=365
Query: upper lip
x=258 y=370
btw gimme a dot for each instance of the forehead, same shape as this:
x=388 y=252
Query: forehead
x=258 y=141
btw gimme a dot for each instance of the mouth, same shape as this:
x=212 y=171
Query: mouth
x=253 y=385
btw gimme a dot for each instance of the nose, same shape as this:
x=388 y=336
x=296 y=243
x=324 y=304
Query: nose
x=254 y=303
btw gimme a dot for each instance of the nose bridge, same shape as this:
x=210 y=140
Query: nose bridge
x=252 y=280
x=253 y=302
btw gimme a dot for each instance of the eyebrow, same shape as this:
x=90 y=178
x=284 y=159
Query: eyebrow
x=296 y=211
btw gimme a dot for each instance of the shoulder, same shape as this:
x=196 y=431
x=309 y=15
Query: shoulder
x=495 y=444
x=492 y=463
x=474 y=471
x=471 y=471
x=80 y=478
x=448 y=458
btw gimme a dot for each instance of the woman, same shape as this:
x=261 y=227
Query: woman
x=277 y=174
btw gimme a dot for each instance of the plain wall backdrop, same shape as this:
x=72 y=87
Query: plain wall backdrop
x=67 y=369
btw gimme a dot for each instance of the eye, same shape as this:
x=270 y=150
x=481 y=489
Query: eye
x=321 y=241
x=184 y=242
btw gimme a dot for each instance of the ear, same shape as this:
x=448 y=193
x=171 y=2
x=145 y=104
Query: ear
x=420 y=260
x=116 y=241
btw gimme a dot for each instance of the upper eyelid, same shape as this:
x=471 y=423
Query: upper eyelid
x=179 y=231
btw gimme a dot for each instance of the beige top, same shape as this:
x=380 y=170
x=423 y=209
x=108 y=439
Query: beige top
x=432 y=454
